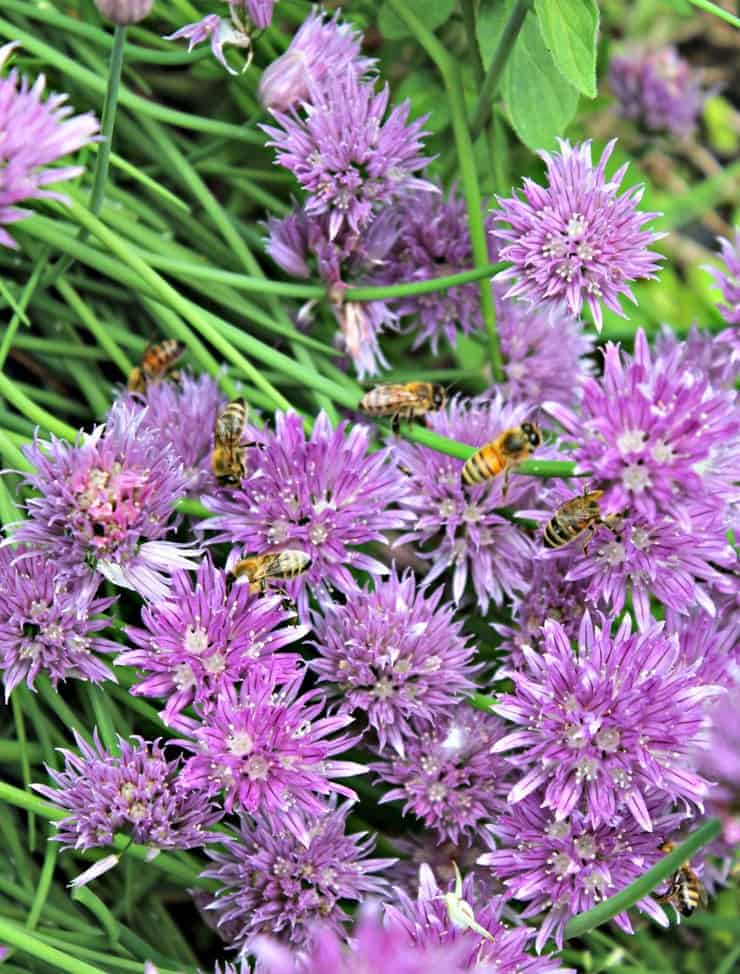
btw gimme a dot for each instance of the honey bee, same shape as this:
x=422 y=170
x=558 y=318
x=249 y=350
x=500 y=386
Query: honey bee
x=259 y=569
x=577 y=516
x=686 y=891
x=229 y=453
x=502 y=455
x=156 y=362
x=403 y=401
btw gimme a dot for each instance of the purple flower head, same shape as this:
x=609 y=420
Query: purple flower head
x=607 y=727
x=459 y=526
x=715 y=356
x=566 y=866
x=323 y=47
x=137 y=791
x=429 y=921
x=268 y=749
x=375 y=946
x=220 y=31
x=36 y=134
x=677 y=563
x=658 y=89
x=544 y=353
x=728 y=280
x=323 y=495
x=205 y=637
x=548 y=595
x=712 y=641
x=272 y=881
x=49 y=624
x=106 y=503
x=394 y=654
x=448 y=776
x=577 y=240
x=183 y=413
x=259 y=12
x=650 y=431
x=349 y=158
x=720 y=762
x=433 y=240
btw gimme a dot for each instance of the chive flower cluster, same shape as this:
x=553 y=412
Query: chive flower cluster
x=542 y=720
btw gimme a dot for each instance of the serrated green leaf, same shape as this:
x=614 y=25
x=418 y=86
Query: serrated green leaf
x=433 y=12
x=541 y=102
x=570 y=29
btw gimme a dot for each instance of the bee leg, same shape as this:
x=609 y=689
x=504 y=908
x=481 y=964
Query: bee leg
x=396 y=424
x=589 y=536
x=505 y=484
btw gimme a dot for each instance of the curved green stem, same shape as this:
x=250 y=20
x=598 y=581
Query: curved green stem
x=26 y=406
x=27 y=943
x=422 y=287
x=713 y=8
x=646 y=883
x=468 y=175
x=496 y=69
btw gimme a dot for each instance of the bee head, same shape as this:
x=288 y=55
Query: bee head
x=439 y=398
x=533 y=434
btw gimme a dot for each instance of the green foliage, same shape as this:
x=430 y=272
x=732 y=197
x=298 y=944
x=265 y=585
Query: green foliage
x=570 y=29
x=433 y=12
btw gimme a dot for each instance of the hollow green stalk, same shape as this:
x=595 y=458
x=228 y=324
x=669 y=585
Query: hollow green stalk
x=646 y=883
x=26 y=294
x=451 y=77
x=496 y=68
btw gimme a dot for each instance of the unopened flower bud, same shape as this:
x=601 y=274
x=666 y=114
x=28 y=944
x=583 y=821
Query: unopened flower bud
x=123 y=12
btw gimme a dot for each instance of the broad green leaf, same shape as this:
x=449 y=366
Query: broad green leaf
x=570 y=29
x=433 y=12
x=490 y=23
x=541 y=102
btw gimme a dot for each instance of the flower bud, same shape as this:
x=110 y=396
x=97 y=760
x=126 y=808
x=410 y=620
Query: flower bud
x=123 y=12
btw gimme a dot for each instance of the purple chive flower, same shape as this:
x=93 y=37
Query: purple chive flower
x=548 y=595
x=259 y=12
x=374 y=946
x=348 y=158
x=658 y=89
x=650 y=431
x=447 y=776
x=712 y=641
x=298 y=238
x=272 y=881
x=124 y=12
x=720 y=762
x=566 y=866
x=428 y=922
x=323 y=495
x=676 y=563
x=715 y=356
x=220 y=31
x=728 y=280
x=106 y=504
x=268 y=749
x=184 y=413
x=608 y=726
x=544 y=353
x=205 y=637
x=35 y=135
x=577 y=240
x=459 y=526
x=137 y=791
x=323 y=47
x=394 y=655
x=49 y=624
